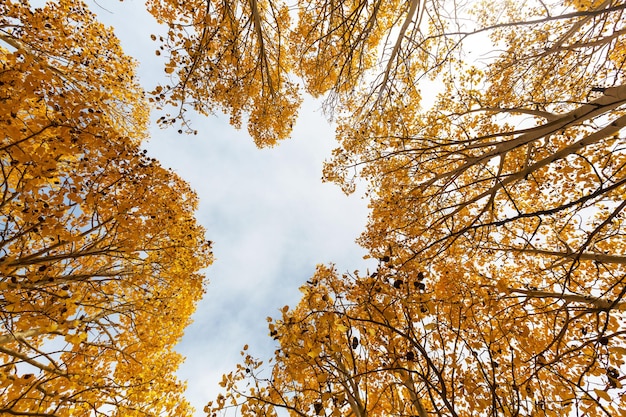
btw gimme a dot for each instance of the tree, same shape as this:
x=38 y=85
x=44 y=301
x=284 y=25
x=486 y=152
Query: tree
x=515 y=173
x=507 y=193
x=391 y=343
x=100 y=254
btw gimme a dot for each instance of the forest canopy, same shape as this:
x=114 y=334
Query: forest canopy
x=489 y=137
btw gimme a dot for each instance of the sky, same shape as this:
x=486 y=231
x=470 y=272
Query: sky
x=271 y=218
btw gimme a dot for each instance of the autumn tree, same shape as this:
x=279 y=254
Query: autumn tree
x=391 y=343
x=100 y=254
x=515 y=173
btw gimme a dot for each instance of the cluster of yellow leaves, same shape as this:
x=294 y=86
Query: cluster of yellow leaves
x=497 y=215
x=100 y=254
x=334 y=44
x=229 y=56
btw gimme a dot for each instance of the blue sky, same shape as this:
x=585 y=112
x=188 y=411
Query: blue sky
x=269 y=214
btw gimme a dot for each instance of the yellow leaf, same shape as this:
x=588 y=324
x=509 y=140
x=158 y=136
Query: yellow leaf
x=430 y=326
x=603 y=394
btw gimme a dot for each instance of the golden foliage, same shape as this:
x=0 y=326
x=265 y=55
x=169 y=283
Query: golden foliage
x=496 y=210
x=229 y=56
x=99 y=251
x=399 y=342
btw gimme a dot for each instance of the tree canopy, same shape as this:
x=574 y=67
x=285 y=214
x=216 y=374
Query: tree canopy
x=100 y=253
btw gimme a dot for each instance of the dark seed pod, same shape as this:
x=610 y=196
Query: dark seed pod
x=355 y=342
